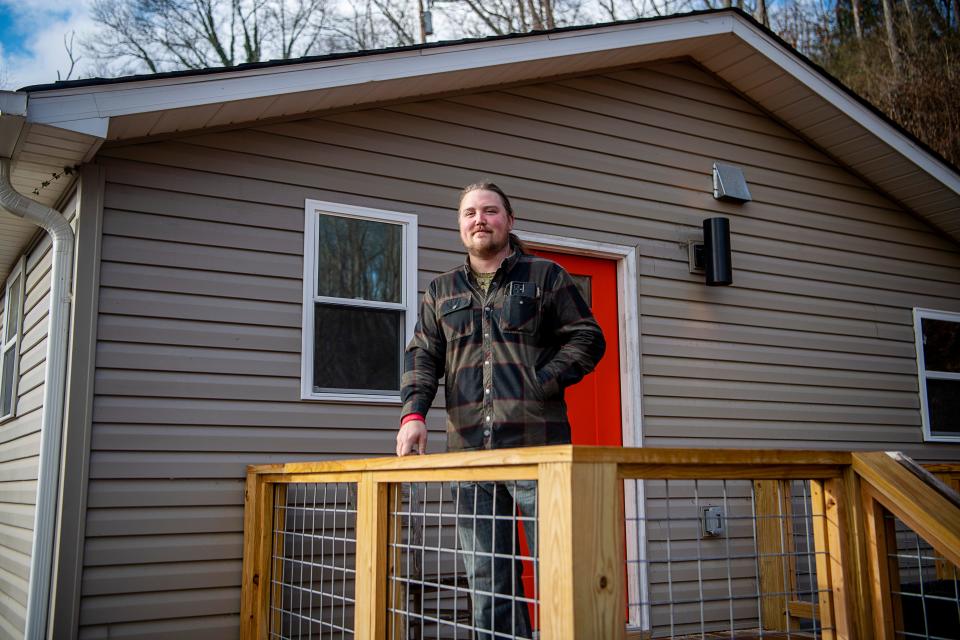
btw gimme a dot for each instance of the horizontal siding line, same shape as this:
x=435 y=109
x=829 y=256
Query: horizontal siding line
x=119 y=550
x=172 y=606
x=581 y=86
x=674 y=265
x=201 y=282
x=315 y=443
x=127 y=250
x=32 y=330
x=659 y=81
x=680 y=365
x=227 y=208
x=179 y=242
x=686 y=388
x=775 y=425
x=699 y=408
x=768 y=285
x=25 y=385
x=158 y=166
x=213 y=627
x=649 y=86
x=289 y=313
x=817 y=255
x=32 y=366
x=138 y=329
x=132 y=224
x=619 y=165
x=790 y=444
x=545 y=94
x=192 y=348
x=213 y=140
x=837 y=360
x=490 y=113
x=38 y=263
x=829 y=238
x=723 y=313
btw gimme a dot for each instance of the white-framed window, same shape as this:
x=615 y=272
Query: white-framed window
x=10 y=350
x=359 y=301
x=938 y=364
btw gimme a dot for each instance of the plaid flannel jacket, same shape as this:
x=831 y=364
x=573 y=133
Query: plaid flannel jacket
x=508 y=354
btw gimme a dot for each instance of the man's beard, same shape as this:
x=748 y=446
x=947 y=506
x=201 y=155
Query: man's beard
x=489 y=247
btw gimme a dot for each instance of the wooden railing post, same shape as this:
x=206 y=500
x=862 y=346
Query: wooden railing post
x=771 y=547
x=835 y=580
x=855 y=562
x=581 y=548
x=370 y=621
x=880 y=538
x=257 y=544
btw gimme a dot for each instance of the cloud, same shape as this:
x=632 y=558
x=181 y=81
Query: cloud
x=39 y=52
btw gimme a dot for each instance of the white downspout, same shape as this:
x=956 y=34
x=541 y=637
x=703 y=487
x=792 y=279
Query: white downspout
x=51 y=430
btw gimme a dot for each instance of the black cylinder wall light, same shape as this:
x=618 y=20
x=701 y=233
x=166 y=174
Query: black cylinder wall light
x=716 y=252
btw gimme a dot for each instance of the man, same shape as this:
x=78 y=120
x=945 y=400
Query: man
x=510 y=331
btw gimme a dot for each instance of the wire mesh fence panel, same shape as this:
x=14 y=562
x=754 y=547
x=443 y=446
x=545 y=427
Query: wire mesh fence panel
x=462 y=560
x=314 y=548
x=925 y=587
x=723 y=558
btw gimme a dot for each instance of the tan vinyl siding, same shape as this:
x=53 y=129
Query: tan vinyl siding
x=199 y=329
x=20 y=440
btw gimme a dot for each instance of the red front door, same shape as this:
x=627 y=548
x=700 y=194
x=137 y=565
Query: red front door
x=593 y=404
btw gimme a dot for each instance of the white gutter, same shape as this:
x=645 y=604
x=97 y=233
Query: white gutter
x=51 y=430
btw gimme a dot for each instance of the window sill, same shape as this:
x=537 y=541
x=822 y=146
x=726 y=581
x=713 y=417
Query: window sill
x=354 y=398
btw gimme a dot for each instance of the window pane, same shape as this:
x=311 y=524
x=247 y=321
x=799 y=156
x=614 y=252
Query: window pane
x=6 y=380
x=13 y=307
x=941 y=345
x=359 y=259
x=943 y=401
x=357 y=349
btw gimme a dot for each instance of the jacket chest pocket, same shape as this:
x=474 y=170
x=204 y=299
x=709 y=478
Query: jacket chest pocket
x=521 y=308
x=456 y=317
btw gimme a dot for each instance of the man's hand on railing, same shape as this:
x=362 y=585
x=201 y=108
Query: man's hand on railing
x=412 y=438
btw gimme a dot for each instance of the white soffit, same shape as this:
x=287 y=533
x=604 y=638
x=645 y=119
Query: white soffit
x=730 y=45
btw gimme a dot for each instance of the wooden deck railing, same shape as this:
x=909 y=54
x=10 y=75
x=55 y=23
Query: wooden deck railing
x=583 y=587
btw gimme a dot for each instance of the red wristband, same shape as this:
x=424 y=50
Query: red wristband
x=410 y=417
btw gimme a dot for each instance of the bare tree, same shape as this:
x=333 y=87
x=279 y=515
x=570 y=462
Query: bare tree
x=892 y=45
x=68 y=45
x=500 y=17
x=161 y=35
x=375 y=24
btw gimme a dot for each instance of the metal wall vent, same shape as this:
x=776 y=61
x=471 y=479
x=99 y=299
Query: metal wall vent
x=729 y=183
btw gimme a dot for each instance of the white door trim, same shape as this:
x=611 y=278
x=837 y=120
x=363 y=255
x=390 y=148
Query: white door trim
x=631 y=397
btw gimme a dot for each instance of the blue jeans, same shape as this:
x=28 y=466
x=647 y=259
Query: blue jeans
x=489 y=541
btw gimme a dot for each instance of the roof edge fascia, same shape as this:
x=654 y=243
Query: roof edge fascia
x=824 y=86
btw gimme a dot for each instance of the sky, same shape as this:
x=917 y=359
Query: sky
x=31 y=39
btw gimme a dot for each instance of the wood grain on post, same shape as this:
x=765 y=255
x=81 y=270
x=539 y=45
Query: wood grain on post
x=821 y=511
x=855 y=562
x=257 y=539
x=771 y=549
x=250 y=579
x=370 y=621
x=882 y=579
x=580 y=544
